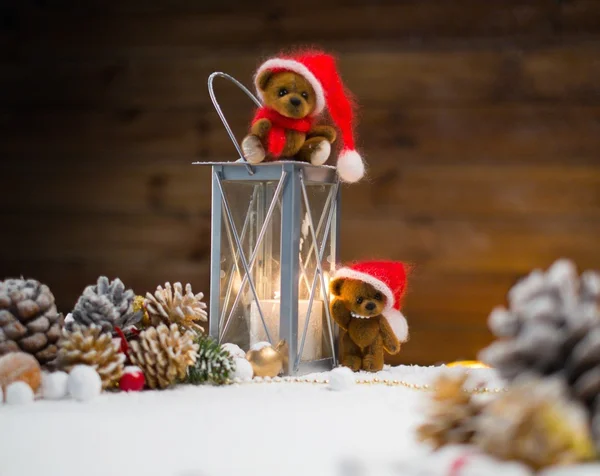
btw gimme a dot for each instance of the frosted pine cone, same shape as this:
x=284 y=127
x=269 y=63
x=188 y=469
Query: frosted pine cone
x=90 y=346
x=29 y=321
x=164 y=354
x=551 y=327
x=451 y=417
x=170 y=305
x=535 y=422
x=107 y=304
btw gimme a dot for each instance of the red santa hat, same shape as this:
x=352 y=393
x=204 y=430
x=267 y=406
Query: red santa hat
x=320 y=70
x=389 y=278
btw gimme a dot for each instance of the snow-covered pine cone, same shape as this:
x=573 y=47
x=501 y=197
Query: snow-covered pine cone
x=107 y=304
x=551 y=327
x=89 y=345
x=535 y=422
x=451 y=415
x=164 y=354
x=171 y=305
x=29 y=321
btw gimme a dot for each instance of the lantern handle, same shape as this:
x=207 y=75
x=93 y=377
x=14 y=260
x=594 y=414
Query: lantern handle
x=211 y=93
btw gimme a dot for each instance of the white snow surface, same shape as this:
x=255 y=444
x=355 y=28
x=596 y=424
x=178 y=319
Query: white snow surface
x=248 y=429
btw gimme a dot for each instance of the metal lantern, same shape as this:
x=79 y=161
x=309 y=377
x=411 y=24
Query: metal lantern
x=275 y=230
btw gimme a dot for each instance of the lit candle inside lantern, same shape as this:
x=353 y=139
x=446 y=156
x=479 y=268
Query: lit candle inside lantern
x=313 y=345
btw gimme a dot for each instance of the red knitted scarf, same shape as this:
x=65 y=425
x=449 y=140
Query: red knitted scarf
x=279 y=124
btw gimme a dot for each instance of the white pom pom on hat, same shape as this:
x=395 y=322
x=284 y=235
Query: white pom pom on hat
x=320 y=70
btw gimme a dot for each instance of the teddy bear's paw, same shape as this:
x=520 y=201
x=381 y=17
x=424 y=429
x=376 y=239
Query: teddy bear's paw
x=253 y=150
x=351 y=361
x=371 y=364
x=321 y=152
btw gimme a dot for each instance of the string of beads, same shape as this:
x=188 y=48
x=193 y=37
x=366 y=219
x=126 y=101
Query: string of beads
x=374 y=381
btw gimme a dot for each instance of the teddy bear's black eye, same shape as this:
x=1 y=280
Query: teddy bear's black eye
x=304 y=95
x=359 y=300
x=378 y=296
x=282 y=92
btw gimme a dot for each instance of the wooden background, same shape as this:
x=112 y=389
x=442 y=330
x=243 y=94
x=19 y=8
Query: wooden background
x=480 y=121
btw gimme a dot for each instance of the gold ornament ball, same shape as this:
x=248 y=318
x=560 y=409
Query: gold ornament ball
x=268 y=361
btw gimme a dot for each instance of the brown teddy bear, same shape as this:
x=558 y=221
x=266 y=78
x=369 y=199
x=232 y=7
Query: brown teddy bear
x=284 y=126
x=295 y=90
x=367 y=309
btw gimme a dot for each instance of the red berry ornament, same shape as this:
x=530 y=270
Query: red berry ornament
x=133 y=380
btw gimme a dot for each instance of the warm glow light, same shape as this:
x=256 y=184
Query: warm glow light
x=472 y=364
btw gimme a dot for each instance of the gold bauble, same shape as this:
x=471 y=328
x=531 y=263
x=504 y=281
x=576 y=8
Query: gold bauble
x=268 y=361
x=472 y=364
x=138 y=305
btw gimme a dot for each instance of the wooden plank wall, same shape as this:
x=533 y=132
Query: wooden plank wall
x=480 y=121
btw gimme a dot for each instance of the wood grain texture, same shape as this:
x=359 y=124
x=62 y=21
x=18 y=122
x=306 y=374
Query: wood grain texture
x=480 y=122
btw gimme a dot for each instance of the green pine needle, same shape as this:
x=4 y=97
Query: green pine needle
x=213 y=364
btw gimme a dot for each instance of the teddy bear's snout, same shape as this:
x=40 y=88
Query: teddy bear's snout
x=294 y=101
x=370 y=306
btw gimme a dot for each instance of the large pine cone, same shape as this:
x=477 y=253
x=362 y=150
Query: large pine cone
x=171 y=304
x=107 y=304
x=551 y=327
x=164 y=354
x=90 y=346
x=537 y=423
x=29 y=321
x=451 y=415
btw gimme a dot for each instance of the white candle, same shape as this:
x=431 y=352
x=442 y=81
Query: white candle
x=313 y=345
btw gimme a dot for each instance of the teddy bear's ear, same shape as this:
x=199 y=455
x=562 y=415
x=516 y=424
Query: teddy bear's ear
x=263 y=79
x=336 y=286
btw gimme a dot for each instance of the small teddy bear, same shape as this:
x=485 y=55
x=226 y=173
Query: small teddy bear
x=367 y=309
x=295 y=90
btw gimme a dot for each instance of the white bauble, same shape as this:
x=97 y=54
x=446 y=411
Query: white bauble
x=19 y=393
x=341 y=378
x=243 y=369
x=234 y=350
x=54 y=385
x=84 y=383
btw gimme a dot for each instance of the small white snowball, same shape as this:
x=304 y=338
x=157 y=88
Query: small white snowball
x=341 y=378
x=84 y=383
x=243 y=369
x=234 y=350
x=54 y=385
x=19 y=393
x=260 y=345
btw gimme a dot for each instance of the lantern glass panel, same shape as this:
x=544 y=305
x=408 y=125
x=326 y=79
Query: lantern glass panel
x=256 y=207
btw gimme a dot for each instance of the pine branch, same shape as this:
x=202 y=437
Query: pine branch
x=213 y=364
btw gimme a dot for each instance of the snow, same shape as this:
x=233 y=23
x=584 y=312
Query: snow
x=246 y=429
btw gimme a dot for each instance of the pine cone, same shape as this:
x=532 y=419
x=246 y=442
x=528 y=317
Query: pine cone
x=213 y=364
x=451 y=417
x=171 y=305
x=90 y=346
x=551 y=327
x=29 y=321
x=164 y=354
x=536 y=423
x=108 y=305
